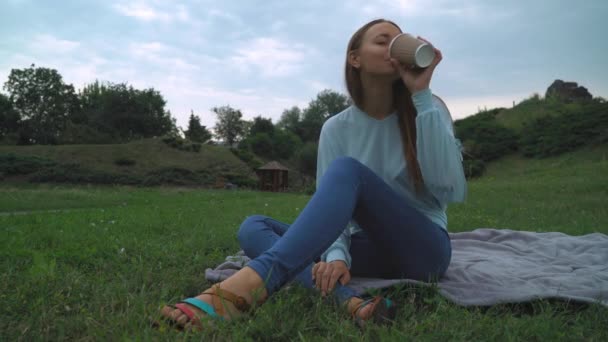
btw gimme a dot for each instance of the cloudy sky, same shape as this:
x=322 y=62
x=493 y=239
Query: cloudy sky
x=265 y=56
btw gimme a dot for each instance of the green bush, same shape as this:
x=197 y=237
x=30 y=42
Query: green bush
x=11 y=164
x=242 y=181
x=552 y=135
x=306 y=158
x=247 y=156
x=173 y=176
x=76 y=174
x=473 y=167
x=310 y=189
x=180 y=143
x=484 y=138
x=124 y=162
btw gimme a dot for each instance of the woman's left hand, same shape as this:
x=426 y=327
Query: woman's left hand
x=417 y=79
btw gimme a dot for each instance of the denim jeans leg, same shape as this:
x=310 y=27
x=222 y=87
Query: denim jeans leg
x=416 y=247
x=259 y=233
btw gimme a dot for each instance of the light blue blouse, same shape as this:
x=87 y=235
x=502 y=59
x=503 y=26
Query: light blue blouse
x=377 y=144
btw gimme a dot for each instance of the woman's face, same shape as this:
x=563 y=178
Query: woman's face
x=373 y=56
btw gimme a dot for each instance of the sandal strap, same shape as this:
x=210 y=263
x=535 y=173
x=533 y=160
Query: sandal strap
x=239 y=302
x=361 y=306
x=204 y=307
x=186 y=310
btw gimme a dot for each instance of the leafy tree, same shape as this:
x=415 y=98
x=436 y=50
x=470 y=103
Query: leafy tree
x=261 y=125
x=229 y=126
x=125 y=112
x=9 y=118
x=262 y=145
x=43 y=101
x=285 y=144
x=195 y=131
x=290 y=119
x=327 y=104
x=484 y=138
x=306 y=158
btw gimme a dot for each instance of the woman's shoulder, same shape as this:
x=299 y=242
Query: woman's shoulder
x=340 y=119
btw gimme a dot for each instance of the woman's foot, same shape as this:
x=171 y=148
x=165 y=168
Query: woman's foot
x=229 y=299
x=378 y=309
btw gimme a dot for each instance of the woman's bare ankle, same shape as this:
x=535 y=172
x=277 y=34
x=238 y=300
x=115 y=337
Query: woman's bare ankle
x=248 y=284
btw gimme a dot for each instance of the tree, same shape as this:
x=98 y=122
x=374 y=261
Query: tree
x=327 y=104
x=124 y=112
x=290 y=120
x=229 y=126
x=261 y=125
x=9 y=118
x=197 y=132
x=262 y=145
x=306 y=158
x=285 y=144
x=43 y=102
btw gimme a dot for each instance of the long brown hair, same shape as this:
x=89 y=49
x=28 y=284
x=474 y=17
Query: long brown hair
x=402 y=102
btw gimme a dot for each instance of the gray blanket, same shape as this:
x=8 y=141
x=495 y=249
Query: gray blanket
x=491 y=266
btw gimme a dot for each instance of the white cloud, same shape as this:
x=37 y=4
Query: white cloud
x=269 y=56
x=46 y=43
x=318 y=86
x=225 y=15
x=151 y=11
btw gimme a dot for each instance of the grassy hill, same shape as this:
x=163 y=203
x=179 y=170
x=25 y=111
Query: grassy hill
x=139 y=158
x=534 y=108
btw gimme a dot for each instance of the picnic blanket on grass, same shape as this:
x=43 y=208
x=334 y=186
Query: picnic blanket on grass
x=493 y=266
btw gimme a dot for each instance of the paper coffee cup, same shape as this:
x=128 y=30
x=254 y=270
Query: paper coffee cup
x=409 y=50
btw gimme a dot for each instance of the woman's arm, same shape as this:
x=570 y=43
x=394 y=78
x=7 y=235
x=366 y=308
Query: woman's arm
x=439 y=152
x=328 y=151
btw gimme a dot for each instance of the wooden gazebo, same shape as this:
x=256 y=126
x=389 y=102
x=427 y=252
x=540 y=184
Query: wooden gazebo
x=273 y=177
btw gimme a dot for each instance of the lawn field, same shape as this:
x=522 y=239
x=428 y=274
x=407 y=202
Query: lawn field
x=96 y=263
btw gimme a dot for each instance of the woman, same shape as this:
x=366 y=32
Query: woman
x=387 y=167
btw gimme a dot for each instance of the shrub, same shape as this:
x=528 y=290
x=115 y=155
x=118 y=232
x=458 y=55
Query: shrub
x=549 y=136
x=180 y=143
x=246 y=156
x=485 y=138
x=242 y=181
x=74 y=173
x=124 y=162
x=11 y=164
x=306 y=159
x=473 y=167
x=172 y=176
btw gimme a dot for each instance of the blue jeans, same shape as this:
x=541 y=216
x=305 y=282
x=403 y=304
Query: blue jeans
x=397 y=240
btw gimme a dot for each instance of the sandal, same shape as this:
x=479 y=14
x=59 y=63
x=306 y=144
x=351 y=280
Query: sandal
x=384 y=312
x=215 y=310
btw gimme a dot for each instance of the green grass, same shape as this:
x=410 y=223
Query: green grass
x=533 y=108
x=94 y=263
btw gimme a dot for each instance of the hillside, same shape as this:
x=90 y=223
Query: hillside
x=532 y=109
x=140 y=159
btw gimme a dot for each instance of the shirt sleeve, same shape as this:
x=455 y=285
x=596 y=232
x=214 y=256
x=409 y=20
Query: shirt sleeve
x=328 y=151
x=439 y=152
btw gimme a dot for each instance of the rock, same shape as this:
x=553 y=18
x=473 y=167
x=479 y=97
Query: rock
x=567 y=91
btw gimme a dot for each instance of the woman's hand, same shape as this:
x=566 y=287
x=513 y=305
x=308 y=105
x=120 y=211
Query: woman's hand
x=417 y=79
x=325 y=275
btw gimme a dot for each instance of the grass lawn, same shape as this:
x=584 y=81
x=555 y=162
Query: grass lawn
x=94 y=263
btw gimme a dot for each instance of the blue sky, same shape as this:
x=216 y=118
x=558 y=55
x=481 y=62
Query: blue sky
x=265 y=56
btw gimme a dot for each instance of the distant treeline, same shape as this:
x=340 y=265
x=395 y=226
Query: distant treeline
x=40 y=108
